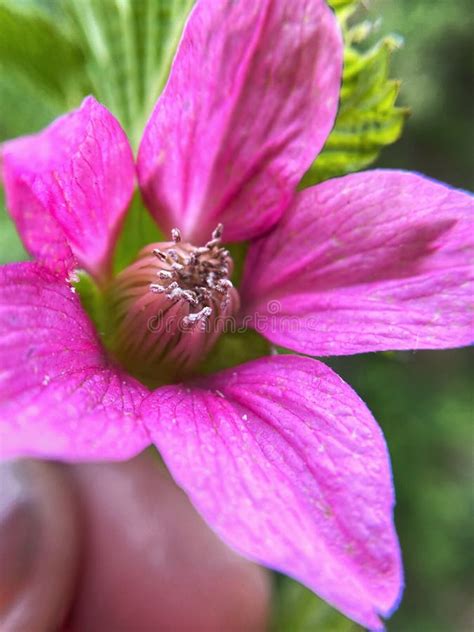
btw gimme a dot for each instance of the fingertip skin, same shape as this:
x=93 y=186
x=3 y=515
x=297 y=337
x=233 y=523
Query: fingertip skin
x=150 y=562
x=42 y=592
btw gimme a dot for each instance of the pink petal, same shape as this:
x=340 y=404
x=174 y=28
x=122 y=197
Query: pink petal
x=251 y=99
x=287 y=464
x=69 y=186
x=372 y=261
x=60 y=397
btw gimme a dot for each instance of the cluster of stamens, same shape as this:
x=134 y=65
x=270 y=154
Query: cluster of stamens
x=171 y=305
x=198 y=275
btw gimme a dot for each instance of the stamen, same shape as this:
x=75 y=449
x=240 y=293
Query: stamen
x=190 y=297
x=202 y=315
x=197 y=273
x=159 y=289
x=156 y=332
x=176 y=235
x=212 y=243
x=217 y=232
x=161 y=255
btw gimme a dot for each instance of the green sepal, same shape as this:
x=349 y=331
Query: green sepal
x=138 y=230
x=238 y=252
x=93 y=301
x=233 y=348
x=11 y=248
x=368 y=118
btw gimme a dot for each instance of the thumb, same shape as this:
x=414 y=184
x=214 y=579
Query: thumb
x=38 y=545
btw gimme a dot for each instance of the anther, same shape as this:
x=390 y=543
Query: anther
x=176 y=292
x=157 y=288
x=191 y=260
x=190 y=297
x=223 y=285
x=161 y=255
x=217 y=232
x=176 y=235
x=214 y=242
x=201 y=315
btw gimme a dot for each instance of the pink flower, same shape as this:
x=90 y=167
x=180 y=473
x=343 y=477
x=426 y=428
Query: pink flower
x=279 y=455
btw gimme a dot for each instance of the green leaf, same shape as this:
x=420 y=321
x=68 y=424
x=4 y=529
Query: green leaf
x=339 y=5
x=119 y=50
x=368 y=117
x=299 y=610
x=39 y=48
x=25 y=107
x=129 y=46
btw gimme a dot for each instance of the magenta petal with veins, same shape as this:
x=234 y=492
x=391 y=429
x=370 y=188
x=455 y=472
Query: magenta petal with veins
x=60 y=395
x=251 y=99
x=287 y=464
x=372 y=261
x=68 y=188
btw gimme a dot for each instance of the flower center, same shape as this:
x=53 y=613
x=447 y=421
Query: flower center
x=170 y=306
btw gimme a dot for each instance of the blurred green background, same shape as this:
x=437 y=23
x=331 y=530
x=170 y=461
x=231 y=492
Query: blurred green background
x=423 y=400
